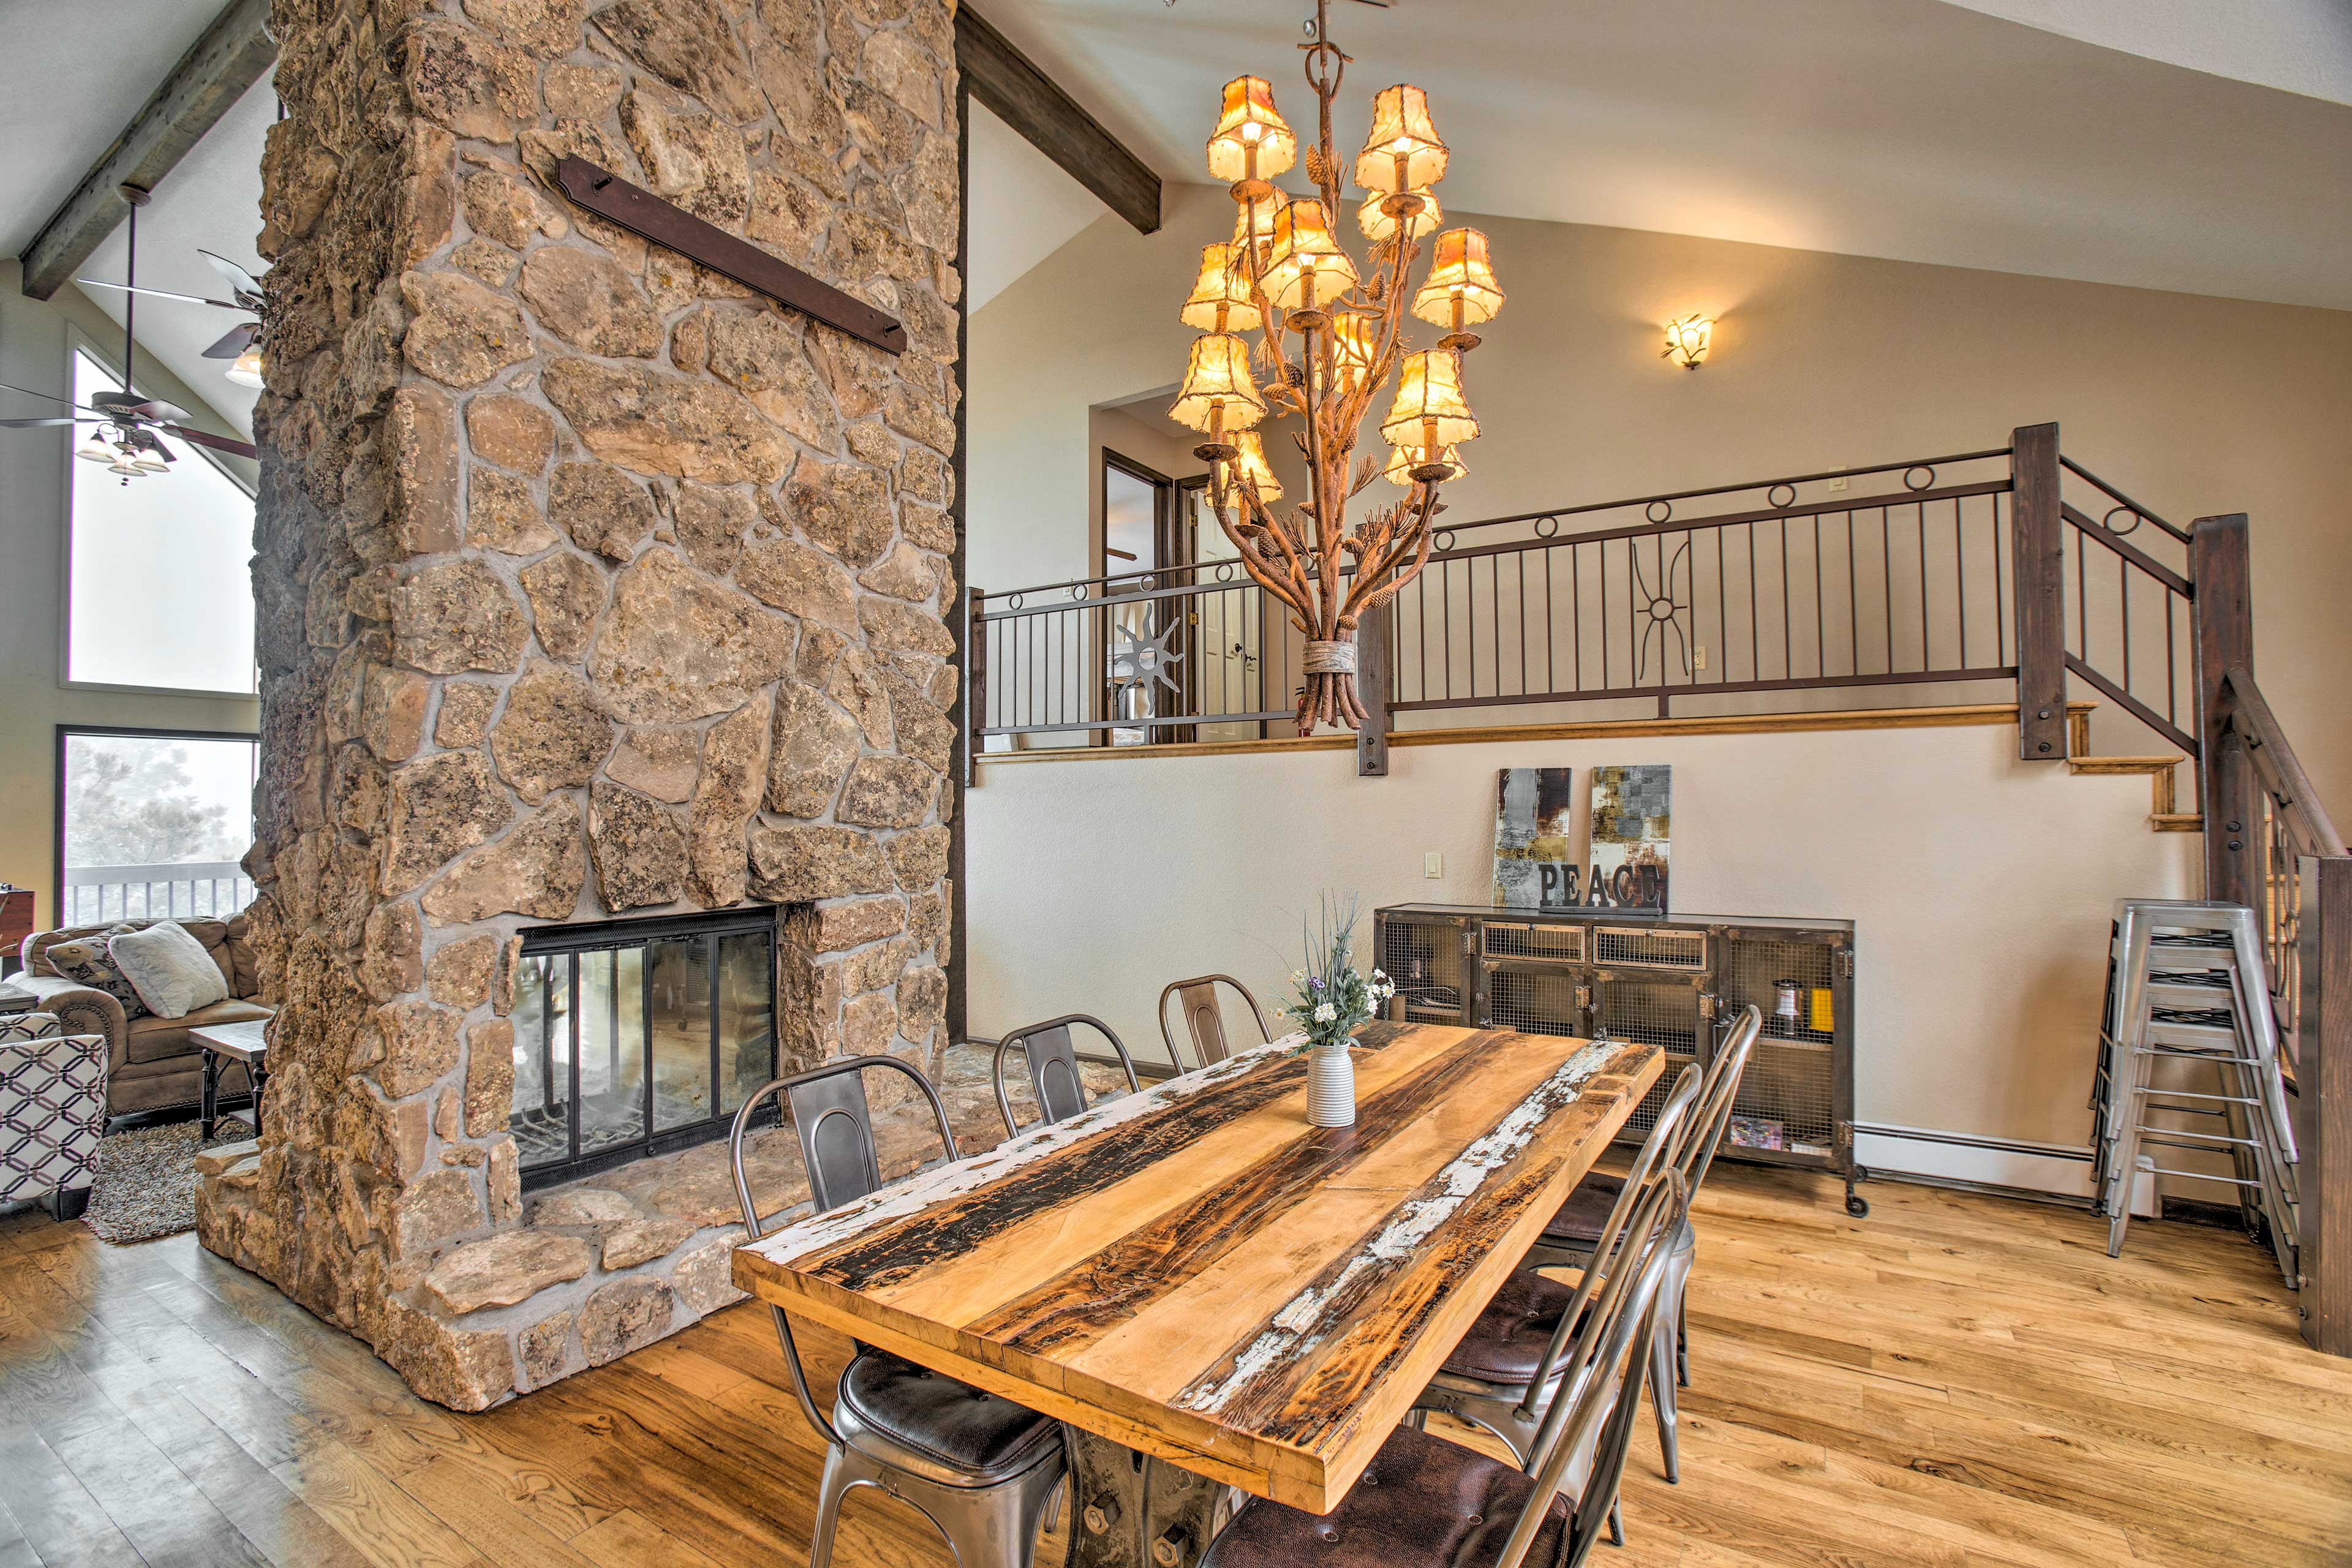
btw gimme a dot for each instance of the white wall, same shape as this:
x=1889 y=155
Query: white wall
x=1980 y=885
x=34 y=699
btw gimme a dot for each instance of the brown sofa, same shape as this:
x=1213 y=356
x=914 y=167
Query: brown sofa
x=151 y=1062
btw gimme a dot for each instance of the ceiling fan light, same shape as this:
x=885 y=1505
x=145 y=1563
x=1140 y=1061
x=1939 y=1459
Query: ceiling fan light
x=148 y=461
x=246 y=371
x=95 y=450
x=127 y=466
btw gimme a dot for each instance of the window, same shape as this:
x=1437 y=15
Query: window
x=158 y=592
x=152 y=825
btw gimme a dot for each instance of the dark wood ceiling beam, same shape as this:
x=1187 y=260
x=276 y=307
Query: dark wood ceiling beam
x=1025 y=98
x=234 y=53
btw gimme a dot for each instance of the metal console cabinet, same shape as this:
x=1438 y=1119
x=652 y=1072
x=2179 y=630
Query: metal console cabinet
x=1677 y=981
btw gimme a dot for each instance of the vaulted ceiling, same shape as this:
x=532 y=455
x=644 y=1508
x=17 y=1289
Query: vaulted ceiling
x=2058 y=137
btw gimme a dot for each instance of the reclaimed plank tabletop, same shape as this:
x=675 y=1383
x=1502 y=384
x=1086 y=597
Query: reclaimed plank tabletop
x=1196 y=1273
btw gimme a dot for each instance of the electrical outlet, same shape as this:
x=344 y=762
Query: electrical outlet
x=1433 y=865
x=1698 y=656
x=1839 y=483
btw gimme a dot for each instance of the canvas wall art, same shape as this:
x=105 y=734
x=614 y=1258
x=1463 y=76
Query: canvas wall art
x=1534 y=866
x=1632 y=828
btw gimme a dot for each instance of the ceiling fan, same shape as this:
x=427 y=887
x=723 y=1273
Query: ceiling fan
x=127 y=430
x=241 y=344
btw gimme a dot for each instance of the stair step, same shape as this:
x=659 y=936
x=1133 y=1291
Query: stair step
x=2176 y=821
x=2124 y=764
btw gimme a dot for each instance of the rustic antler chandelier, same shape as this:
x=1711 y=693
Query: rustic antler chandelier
x=1283 y=273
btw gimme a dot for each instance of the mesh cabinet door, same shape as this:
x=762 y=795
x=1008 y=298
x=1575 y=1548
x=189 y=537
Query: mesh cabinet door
x=1787 y=1108
x=1425 y=958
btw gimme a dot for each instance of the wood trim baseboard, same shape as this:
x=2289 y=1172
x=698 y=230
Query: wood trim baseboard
x=1985 y=714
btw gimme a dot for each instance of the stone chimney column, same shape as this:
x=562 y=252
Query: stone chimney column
x=589 y=582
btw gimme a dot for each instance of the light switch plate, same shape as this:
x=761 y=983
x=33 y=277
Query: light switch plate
x=1839 y=482
x=1433 y=865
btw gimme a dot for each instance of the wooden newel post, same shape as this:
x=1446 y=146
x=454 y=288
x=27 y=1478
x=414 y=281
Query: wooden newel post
x=975 y=685
x=2220 y=568
x=2323 y=1102
x=1372 y=680
x=2038 y=548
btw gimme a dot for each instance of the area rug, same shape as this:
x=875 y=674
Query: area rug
x=146 y=1185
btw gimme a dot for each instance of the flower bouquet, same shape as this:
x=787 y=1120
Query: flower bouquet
x=1332 y=1000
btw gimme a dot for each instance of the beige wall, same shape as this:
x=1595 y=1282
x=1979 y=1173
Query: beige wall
x=33 y=343
x=2192 y=404
x=1979 y=885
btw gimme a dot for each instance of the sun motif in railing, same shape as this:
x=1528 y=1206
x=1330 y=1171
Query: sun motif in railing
x=1664 y=610
x=1142 y=664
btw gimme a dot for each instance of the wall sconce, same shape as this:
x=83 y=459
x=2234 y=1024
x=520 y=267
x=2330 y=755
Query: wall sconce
x=1687 y=338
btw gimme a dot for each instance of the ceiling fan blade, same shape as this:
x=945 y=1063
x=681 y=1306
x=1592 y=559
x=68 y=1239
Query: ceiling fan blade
x=218 y=443
x=37 y=423
x=158 y=293
x=233 y=342
x=238 y=279
x=50 y=397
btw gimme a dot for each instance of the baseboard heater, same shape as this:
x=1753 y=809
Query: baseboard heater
x=2006 y=1167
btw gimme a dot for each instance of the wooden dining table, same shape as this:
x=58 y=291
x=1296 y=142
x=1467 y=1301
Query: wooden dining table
x=1204 y=1289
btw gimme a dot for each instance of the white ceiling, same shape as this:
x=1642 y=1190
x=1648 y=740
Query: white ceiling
x=1909 y=129
x=70 y=78
x=2059 y=137
x=1023 y=208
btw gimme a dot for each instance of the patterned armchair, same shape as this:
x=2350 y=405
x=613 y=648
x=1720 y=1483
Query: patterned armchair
x=52 y=1111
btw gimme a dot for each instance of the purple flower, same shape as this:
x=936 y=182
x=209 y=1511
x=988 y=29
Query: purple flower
x=1315 y=983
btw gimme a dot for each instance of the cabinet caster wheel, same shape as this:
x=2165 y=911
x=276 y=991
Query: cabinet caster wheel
x=1857 y=1207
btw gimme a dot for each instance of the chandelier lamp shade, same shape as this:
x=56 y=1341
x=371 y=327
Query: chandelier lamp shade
x=1461 y=290
x=1223 y=300
x=1219 y=393
x=1332 y=337
x=1404 y=460
x=1429 y=411
x=1306 y=265
x=1377 y=220
x=1249 y=463
x=1402 y=152
x=1251 y=143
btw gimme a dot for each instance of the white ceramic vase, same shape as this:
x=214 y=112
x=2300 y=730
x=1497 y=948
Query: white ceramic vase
x=1331 y=1086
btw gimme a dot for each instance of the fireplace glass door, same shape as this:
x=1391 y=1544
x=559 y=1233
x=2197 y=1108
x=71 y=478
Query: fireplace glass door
x=638 y=1037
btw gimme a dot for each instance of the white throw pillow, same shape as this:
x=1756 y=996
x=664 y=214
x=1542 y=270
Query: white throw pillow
x=170 y=968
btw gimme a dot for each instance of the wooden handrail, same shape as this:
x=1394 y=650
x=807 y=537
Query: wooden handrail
x=2244 y=710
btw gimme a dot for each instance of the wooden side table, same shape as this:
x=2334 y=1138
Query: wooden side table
x=237 y=1042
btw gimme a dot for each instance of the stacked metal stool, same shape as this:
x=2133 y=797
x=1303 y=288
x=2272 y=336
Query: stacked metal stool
x=2186 y=985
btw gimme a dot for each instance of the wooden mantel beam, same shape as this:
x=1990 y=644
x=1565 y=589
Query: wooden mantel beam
x=231 y=56
x=1025 y=98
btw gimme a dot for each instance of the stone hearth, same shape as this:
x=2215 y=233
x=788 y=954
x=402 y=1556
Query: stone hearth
x=603 y=1265
x=588 y=584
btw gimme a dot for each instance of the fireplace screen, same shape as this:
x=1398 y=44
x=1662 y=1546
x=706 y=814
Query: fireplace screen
x=638 y=1037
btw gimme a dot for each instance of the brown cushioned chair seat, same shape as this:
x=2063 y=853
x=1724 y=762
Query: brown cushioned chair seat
x=1510 y=1337
x=1423 y=1502
x=1579 y=1219
x=154 y=1040
x=950 y=1431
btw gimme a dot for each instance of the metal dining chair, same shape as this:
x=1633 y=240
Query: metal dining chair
x=1506 y=1372
x=982 y=1469
x=1054 y=1067
x=1572 y=1236
x=1204 y=1021
x=1425 y=1502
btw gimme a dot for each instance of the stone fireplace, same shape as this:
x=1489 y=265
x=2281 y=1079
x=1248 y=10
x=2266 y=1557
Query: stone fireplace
x=592 y=586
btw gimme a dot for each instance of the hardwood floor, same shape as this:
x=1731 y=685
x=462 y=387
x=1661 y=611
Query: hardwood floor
x=1957 y=1380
